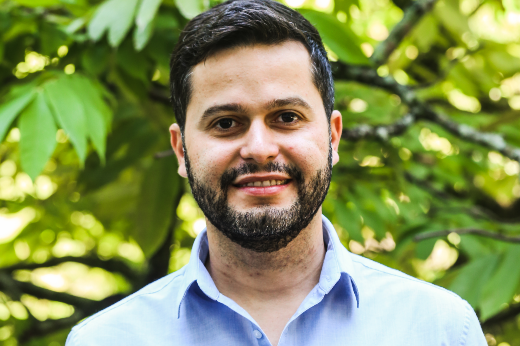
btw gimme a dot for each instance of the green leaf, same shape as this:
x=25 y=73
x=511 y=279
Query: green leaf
x=464 y=80
x=374 y=212
x=450 y=16
x=101 y=20
x=96 y=113
x=38 y=3
x=67 y=108
x=146 y=13
x=191 y=8
x=74 y=26
x=130 y=142
x=155 y=208
x=116 y=16
x=142 y=36
x=424 y=34
x=95 y=58
x=349 y=219
x=512 y=5
x=473 y=246
x=380 y=107
x=472 y=277
x=51 y=38
x=424 y=248
x=20 y=98
x=500 y=289
x=38 y=136
x=134 y=63
x=120 y=27
x=338 y=36
x=8 y=257
x=19 y=28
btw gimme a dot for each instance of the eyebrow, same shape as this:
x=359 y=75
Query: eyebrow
x=228 y=107
x=238 y=108
x=289 y=101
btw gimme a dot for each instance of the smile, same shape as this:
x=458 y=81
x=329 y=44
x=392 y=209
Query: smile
x=264 y=183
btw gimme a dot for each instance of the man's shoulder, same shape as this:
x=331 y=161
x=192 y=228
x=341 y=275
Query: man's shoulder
x=388 y=291
x=413 y=306
x=130 y=311
x=378 y=274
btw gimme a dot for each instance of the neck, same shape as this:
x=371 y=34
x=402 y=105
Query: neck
x=247 y=276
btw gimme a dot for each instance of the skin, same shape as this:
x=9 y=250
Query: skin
x=269 y=286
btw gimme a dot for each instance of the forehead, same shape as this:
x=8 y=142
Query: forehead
x=252 y=75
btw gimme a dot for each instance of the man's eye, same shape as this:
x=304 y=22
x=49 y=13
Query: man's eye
x=225 y=123
x=288 y=117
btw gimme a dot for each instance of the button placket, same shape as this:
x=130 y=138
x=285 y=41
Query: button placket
x=260 y=337
x=257 y=334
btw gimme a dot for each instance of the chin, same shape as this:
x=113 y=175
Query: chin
x=259 y=206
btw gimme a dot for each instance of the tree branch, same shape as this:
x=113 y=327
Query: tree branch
x=410 y=18
x=479 y=232
x=493 y=141
x=112 y=265
x=15 y=288
x=481 y=200
x=50 y=326
x=82 y=307
x=475 y=211
x=444 y=73
x=158 y=267
x=38 y=329
x=163 y=154
x=380 y=132
x=368 y=75
x=7 y=285
x=418 y=110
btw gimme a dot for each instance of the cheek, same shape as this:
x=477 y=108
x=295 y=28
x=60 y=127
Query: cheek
x=308 y=153
x=210 y=160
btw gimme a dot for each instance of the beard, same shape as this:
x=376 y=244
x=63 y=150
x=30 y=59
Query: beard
x=264 y=228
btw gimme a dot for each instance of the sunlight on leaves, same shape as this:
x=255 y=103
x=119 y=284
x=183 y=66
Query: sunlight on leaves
x=12 y=224
x=432 y=141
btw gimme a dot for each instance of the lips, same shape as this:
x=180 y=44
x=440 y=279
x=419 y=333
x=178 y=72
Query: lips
x=261 y=180
x=264 y=183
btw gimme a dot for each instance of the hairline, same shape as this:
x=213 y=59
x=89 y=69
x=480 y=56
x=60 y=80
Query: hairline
x=188 y=81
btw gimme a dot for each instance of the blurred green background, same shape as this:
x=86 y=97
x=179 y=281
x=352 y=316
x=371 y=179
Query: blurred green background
x=91 y=207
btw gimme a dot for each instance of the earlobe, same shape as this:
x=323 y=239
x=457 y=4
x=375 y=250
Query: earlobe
x=178 y=148
x=336 y=129
x=182 y=170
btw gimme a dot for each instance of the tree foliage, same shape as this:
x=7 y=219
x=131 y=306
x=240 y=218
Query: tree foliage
x=91 y=207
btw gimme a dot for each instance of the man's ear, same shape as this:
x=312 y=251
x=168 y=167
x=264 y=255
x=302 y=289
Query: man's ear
x=176 y=141
x=336 y=128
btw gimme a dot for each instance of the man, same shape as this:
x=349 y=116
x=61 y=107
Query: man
x=256 y=136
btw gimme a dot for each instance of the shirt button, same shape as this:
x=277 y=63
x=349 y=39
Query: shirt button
x=327 y=278
x=257 y=334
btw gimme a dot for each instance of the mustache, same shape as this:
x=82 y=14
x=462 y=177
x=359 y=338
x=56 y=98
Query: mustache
x=249 y=168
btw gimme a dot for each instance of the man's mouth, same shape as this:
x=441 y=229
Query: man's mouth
x=264 y=183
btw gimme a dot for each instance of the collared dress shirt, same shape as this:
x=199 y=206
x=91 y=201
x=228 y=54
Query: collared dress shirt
x=357 y=302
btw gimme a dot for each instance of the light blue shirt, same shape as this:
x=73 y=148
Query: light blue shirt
x=357 y=302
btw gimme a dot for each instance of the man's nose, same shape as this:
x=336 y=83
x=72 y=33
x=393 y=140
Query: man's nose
x=259 y=143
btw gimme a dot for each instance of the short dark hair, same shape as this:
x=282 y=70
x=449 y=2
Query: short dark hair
x=244 y=23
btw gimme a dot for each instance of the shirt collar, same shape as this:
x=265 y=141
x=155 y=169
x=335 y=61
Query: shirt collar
x=337 y=262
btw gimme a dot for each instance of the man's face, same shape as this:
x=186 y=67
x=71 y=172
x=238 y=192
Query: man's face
x=257 y=149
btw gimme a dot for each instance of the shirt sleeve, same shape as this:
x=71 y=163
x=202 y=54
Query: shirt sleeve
x=472 y=334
